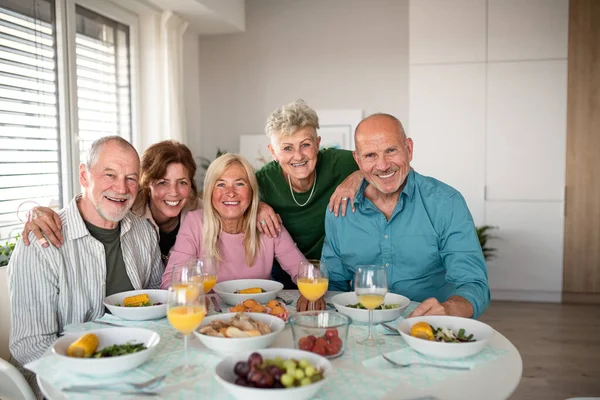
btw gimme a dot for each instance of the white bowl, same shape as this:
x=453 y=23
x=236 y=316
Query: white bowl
x=138 y=313
x=226 y=346
x=226 y=290
x=226 y=377
x=482 y=333
x=341 y=300
x=107 y=337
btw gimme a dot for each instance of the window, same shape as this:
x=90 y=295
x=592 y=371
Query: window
x=43 y=121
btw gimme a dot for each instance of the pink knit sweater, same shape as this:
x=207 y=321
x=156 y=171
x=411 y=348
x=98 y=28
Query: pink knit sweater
x=233 y=265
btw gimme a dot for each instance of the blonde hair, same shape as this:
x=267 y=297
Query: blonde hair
x=287 y=119
x=212 y=220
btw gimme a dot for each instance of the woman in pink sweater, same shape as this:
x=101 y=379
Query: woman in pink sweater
x=225 y=230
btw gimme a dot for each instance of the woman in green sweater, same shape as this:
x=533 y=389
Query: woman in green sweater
x=302 y=181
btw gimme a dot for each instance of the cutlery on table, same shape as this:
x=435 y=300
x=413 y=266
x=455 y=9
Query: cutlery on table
x=390 y=328
x=99 y=391
x=399 y=365
x=106 y=323
x=216 y=304
x=284 y=301
x=139 y=386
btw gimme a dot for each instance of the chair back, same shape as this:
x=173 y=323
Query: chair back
x=4 y=313
x=12 y=384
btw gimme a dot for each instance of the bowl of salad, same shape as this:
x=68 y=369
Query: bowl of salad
x=138 y=305
x=108 y=351
x=391 y=309
x=445 y=337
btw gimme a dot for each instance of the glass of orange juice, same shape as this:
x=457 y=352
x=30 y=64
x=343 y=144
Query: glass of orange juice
x=312 y=281
x=208 y=270
x=185 y=311
x=370 y=286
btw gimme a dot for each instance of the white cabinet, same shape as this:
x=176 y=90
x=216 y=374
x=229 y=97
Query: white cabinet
x=447 y=124
x=443 y=31
x=527 y=29
x=526 y=130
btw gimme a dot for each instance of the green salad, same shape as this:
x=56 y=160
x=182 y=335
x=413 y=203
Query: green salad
x=381 y=307
x=119 y=350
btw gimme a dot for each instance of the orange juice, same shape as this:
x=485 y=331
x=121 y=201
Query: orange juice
x=192 y=291
x=209 y=281
x=313 y=289
x=371 y=301
x=186 y=318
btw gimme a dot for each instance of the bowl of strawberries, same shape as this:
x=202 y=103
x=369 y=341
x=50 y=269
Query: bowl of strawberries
x=321 y=332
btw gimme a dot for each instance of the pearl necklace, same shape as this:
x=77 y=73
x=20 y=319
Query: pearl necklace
x=311 y=192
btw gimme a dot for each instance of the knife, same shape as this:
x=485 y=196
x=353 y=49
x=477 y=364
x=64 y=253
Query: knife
x=216 y=304
x=112 y=392
x=106 y=323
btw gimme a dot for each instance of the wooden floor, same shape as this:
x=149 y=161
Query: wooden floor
x=559 y=345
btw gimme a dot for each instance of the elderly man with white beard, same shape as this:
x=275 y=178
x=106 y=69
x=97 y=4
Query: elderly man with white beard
x=106 y=250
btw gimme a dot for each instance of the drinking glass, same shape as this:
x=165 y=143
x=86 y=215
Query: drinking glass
x=185 y=311
x=187 y=276
x=370 y=286
x=312 y=281
x=206 y=268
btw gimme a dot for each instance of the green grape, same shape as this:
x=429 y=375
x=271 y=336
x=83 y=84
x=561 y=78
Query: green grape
x=287 y=380
x=289 y=364
x=305 y=382
x=304 y=363
x=317 y=377
x=291 y=369
x=299 y=374
x=309 y=371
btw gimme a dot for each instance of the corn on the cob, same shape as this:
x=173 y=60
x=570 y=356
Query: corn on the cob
x=251 y=290
x=136 y=301
x=83 y=347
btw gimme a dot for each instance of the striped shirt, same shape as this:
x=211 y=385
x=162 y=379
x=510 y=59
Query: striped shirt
x=51 y=288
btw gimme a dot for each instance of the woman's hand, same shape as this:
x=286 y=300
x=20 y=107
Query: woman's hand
x=43 y=221
x=302 y=304
x=345 y=193
x=267 y=221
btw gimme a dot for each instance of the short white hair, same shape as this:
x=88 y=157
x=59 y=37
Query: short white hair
x=287 y=119
x=95 y=149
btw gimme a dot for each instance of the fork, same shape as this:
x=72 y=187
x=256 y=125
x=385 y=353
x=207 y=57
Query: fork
x=390 y=328
x=139 y=386
x=284 y=301
x=399 y=365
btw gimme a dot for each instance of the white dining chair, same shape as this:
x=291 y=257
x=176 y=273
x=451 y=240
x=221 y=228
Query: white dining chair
x=4 y=313
x=13 y=385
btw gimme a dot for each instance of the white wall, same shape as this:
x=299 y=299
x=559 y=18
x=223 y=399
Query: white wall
x=335 y=54
x=488 y=104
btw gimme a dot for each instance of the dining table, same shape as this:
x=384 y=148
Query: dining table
x=359 y=373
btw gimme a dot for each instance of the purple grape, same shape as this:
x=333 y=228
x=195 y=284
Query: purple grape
x=275 y=371
x=255 y=359
x=278 y=385
x=241 y=369
x=241 y=382
x=266 y=381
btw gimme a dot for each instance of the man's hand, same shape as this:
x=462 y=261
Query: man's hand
x=303 y=304
x=456 y=306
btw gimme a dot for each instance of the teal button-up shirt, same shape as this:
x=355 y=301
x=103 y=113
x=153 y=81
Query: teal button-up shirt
x=429 y=244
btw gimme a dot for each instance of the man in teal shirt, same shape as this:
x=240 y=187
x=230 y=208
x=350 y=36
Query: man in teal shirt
x=418 y=227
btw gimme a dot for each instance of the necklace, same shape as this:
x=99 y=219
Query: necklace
x=309 y=196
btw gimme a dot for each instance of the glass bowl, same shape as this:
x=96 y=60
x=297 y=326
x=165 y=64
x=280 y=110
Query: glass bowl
x=321 y=332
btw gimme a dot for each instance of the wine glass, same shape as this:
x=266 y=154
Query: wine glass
x=312 y=281
x=185 y=311
x=186 y=276
x=370 y=286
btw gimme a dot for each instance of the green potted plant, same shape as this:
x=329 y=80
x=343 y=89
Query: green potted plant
x=6 y=251
x=484 y=236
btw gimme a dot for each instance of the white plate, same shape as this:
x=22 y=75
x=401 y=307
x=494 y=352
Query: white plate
x=107 y=337
x=138 y=313
x=226 y=290
x=226 y=377
x=226 y=346
x=482 y=333
x=341 y=300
